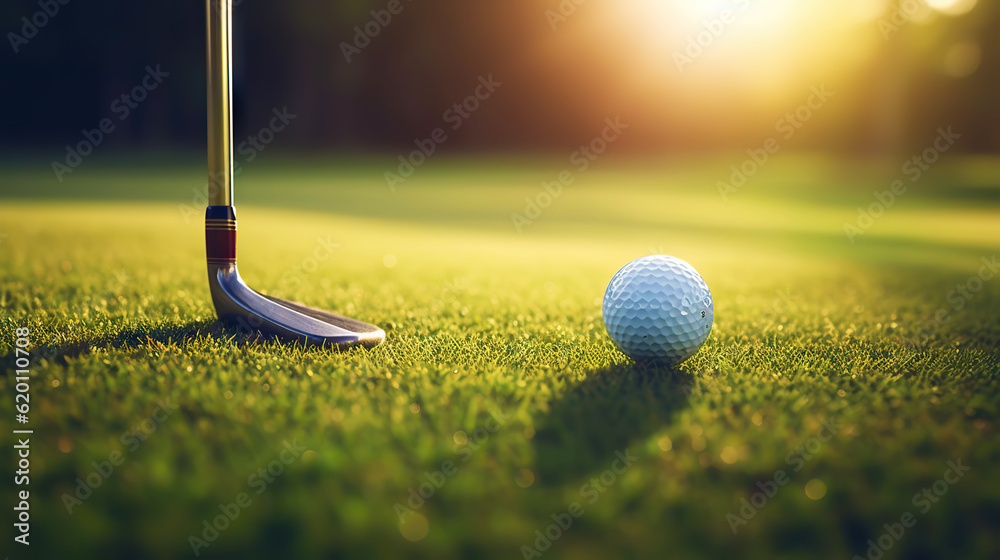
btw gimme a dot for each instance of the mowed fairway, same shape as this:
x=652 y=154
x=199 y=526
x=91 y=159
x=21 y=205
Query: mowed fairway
x=849 y=371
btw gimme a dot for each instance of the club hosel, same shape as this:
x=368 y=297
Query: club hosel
x=220 y=235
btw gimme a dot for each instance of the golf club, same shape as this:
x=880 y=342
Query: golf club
x=234 y=300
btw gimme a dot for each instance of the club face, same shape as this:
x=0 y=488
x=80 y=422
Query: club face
x=238 y=303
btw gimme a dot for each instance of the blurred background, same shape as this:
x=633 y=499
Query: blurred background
x=685 y=75
x=488 y=280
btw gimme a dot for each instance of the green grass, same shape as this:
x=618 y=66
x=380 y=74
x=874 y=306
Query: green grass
x=107 y=270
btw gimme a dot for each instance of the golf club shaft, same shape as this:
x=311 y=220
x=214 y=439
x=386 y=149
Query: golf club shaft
x=220 y=95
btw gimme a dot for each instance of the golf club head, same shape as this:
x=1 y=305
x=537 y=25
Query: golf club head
x=254 y=312
x=234 y=300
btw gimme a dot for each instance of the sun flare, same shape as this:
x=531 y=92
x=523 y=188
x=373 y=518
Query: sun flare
x=766 y=49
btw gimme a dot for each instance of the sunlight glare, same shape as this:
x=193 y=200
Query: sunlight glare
x=952 y=7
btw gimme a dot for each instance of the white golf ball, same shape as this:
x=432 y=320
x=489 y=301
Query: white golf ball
x=658 y=309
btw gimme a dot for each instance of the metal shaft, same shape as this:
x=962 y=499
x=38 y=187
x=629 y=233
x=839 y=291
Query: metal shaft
x=220 y=96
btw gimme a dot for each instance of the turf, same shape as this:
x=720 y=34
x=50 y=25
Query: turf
x=845 y=369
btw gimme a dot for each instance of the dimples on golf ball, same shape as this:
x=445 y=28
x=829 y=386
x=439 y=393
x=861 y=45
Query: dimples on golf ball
x=658 y=308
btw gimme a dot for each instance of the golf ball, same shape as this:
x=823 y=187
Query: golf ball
x=658 y=309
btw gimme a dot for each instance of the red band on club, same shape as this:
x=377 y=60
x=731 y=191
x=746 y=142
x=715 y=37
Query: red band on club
x=220 y=241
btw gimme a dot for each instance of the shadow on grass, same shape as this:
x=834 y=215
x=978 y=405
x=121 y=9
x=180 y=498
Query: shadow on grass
x=612 y=409
x=158 y=338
